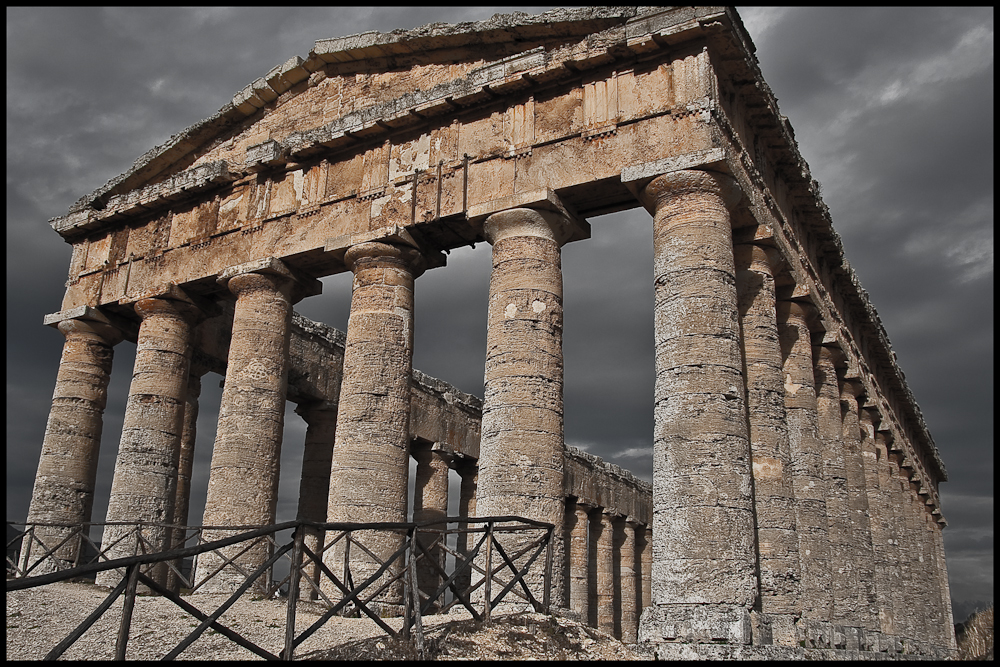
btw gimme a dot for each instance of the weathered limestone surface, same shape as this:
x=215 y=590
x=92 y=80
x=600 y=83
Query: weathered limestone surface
x=67 y=469
x=579 y=560
x=243 y=482
x=774 y=499
x=807 y=461
x=830 y=427
x=370 y=458
x=145 y=481
x=521 y=458
x=430 y=503
x=704 y=582
x=858 y=507
x=314 y=486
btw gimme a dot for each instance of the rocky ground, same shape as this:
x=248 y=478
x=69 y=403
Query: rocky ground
x=37 y=619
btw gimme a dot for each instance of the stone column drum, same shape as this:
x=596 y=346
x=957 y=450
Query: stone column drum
x=579 y=559
x=67 y=469
x=145 y=481
x=468 y=471
x=243 y=480
x=604 y=564
x=857 y=495
x=314 y=486
x=522 y=448
x=185 y=465
x=830 y=426
x=628 y=577
x=704 y=581
x=430 y=503
x=371 y=456
x=774 y=498
x=807 y=463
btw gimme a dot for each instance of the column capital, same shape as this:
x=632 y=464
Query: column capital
x=373 y=254
x=524 y=221
x=311 y=410
x=852 y=387
x=269 y=273
x=690 y=181
x=758 y=258
x=88 y=320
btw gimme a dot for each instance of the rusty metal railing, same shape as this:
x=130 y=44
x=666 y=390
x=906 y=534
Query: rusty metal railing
x=420 y=542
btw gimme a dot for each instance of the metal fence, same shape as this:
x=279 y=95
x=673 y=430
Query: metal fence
x=460 y=570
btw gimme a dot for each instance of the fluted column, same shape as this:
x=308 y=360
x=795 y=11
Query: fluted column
x=314 y=485
x=63 y=492
x=185 y=465
x=145 y=480
x=605 y=574
x=430 y=503
x=844 y=586
x=704 y=581
x=628 y=581
x=243 y=479
x=807 y=463
x=857 y=494
x=774 y=498
x=579 y=559
x=368 y=478
x=903 y=599
x=522 y=448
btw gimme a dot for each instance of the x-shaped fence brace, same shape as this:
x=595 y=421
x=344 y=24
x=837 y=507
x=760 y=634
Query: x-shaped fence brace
x=416 y=603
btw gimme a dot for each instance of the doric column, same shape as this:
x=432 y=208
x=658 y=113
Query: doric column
x=807 y=463
x=579 y=559
x=628 y=580
x=843 y=582
x=243 y=479
x=145 y=480
x=314 y=487
x=605 y=574
x=595 y=528
x=430 y=503
x=468 y=471
x=370 y=466
x=67 y=468
x=903 y=601
x=185 y=465
x=889 y=487
x=704 y=581
x=646 y=561
x=522 y=448
x=774 y=498
x=944 y=588
x=857 y=493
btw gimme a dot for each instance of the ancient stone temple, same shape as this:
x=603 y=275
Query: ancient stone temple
x=794 y=505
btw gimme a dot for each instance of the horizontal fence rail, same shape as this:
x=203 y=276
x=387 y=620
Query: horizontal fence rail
x=464 y=559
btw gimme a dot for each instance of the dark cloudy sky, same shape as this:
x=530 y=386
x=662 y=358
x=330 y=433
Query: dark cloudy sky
x=892 y=108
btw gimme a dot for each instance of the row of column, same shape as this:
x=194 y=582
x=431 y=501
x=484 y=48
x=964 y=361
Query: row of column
x=609 y=568
x=761 y=495
x=757 y=479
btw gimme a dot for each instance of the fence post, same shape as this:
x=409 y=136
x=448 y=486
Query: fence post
x=547 y=593
x=293 y=593
x=489 y=573
x=415 y=593
x=407 y=587
x=132 y=573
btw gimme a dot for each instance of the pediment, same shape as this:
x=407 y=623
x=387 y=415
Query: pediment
x=354 y=88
